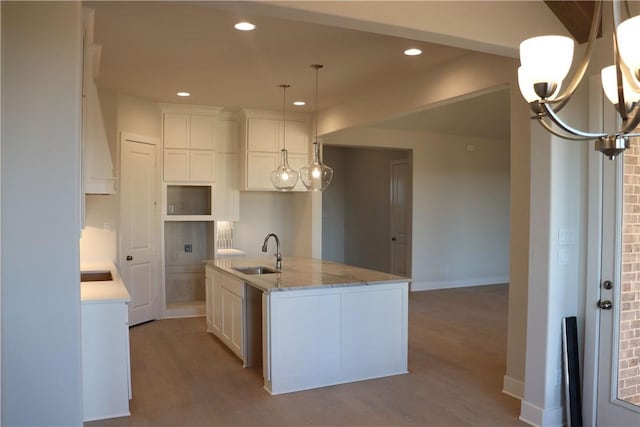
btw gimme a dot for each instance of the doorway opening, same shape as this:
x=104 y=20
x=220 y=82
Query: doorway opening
x=366 y=206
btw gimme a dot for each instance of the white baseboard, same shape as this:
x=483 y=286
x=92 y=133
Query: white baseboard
x=535 y=416
x=462 y=283
x=513 y=387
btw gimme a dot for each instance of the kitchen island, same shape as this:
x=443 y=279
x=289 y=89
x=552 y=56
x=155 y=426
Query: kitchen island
x=311 y=324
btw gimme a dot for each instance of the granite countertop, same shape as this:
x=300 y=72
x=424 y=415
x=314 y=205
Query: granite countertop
x=303 y=273
x=103 y=291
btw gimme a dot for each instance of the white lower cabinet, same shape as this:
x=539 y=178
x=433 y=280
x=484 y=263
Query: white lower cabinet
x=225 y=310
x=232 y=324
x=106 y=386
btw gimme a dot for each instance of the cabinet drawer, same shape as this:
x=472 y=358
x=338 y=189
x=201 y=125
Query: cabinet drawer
x=234 y=286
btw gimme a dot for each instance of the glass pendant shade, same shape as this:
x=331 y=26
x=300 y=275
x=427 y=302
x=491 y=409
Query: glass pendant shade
x=628 y=36
x=284 y=178
x=316 y=176
x=610 y=86
x=547 y=59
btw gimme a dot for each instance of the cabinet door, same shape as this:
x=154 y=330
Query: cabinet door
x=201 y=134
x=297 y=137
x=232 y=321
x=226 y=136
x=176 y=130
x=202 y=165
x=259 y=168
x=176 y=165
x=208 y=288
x=227 y=196
x=216 y=304
x=262 y=135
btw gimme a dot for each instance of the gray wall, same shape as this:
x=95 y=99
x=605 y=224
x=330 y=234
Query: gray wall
x=356 y=212
x=41 y=79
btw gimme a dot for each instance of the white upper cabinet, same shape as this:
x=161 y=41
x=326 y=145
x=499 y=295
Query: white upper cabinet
x=202 y=132
x=176 y=130
x=262 y=139
x=189 y=137
x=227 y=188
x=263 y=134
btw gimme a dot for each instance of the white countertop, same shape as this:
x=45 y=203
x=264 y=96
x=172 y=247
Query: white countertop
x=106 y=291
x=303 y=273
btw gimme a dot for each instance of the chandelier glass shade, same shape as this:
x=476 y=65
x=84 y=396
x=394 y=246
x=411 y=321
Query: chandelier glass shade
x=283 y=177
x=316 y=176
x=546 y=61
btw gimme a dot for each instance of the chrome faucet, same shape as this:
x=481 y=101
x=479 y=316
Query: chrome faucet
x=278 y=254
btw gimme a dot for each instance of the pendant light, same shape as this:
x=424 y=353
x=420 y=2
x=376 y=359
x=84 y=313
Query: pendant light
x=284 y=178
x=316 y=176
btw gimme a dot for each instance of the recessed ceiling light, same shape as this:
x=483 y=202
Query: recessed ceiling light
x=244 y=26
x=183 y=94
x=299 y=103
x=413 y=52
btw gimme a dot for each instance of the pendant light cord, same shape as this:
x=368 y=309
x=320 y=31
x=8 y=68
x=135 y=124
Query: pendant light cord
x=317 y=68
x=284 y=115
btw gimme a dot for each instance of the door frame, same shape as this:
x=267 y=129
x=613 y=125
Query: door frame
x=155 y=142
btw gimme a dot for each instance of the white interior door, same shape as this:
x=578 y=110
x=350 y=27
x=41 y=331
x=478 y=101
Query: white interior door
x=138 y=226
x=400 y=218
x=618 y=401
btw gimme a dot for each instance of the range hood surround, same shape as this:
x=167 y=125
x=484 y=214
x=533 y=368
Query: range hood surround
x=98 y=176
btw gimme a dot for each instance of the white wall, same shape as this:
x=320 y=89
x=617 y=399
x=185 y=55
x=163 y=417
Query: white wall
x=558 y=203
x=121 y=113
x=460 y=205
x=262 y=213
x=41 y=122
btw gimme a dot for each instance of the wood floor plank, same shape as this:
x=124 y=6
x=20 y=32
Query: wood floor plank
x=182 y=376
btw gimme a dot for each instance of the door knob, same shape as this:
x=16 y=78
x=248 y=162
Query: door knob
x=605 y=305
x=129 y=258
x=393 y=239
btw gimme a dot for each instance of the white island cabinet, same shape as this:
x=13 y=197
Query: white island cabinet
x=318 y=324
x=106 y=374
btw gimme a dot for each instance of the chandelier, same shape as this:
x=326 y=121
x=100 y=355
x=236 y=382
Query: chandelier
x=546 y=61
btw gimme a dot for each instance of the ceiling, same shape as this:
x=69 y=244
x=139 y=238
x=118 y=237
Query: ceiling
x=483 y=116
x=155 y=49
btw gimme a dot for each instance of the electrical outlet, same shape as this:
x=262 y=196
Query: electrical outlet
x=188 y=247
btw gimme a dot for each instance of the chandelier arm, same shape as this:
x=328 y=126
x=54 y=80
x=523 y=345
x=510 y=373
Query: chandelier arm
x=632 y=123
x=563 y=98
x=622 y=110
x=565 y=127
x=552 y=131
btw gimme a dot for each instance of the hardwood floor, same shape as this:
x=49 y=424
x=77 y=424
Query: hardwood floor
x=183 y=376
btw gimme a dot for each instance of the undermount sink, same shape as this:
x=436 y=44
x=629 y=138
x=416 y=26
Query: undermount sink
x=256 y=270
x=95 y=276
